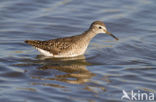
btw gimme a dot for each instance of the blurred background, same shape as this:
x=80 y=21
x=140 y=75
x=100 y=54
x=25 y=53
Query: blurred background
x=108 y=66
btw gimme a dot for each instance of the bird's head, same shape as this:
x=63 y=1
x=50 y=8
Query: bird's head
x=99 y=27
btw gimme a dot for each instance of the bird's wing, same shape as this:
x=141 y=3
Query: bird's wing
x=54 y=46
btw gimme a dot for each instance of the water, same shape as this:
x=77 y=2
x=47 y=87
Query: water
x=100 y=75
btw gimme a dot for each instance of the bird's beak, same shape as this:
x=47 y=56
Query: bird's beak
x=112 y=35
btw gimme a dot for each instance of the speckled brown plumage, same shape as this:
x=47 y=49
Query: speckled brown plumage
x=54 y=46
x=69 y=46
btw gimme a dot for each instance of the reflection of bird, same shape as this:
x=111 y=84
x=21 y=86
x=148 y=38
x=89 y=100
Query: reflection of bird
x=70 y=46
x=74 y=71
x=125 y=95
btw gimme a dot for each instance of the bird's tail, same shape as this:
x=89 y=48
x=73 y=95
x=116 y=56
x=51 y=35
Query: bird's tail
x=32 y=42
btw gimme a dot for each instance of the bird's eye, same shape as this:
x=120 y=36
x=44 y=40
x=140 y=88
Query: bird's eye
x=100 y=27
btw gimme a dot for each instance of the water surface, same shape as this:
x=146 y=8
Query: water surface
x=108 y=66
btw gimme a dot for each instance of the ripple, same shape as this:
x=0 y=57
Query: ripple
x=108 y=66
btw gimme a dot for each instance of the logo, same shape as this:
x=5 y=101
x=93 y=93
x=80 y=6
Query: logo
x=136 y=95
x=125 y=95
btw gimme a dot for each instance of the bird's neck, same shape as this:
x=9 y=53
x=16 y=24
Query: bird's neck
x=89 y=34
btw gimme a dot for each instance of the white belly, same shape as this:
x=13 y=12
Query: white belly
x=71 y=53
x=44 y=52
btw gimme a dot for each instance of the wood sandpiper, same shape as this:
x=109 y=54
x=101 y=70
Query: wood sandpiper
x=70 y=46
